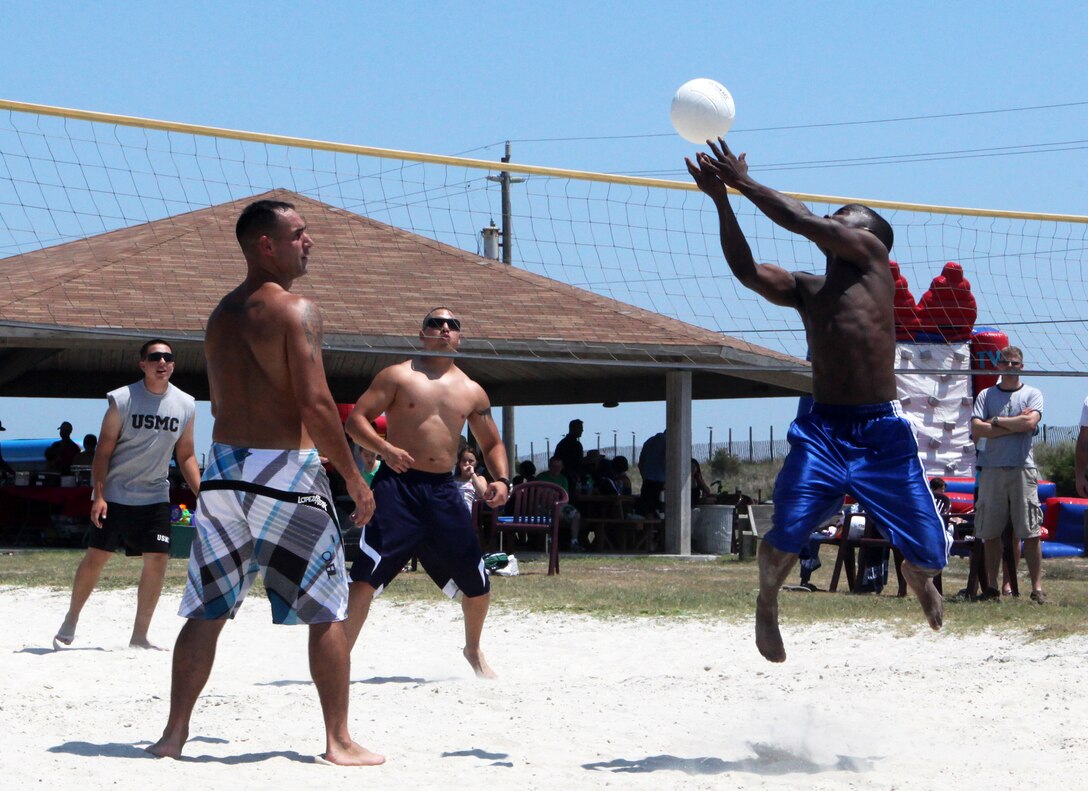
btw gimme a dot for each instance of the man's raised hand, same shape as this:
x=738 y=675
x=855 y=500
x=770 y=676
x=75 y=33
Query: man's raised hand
x=729 y=168
x=706 y=179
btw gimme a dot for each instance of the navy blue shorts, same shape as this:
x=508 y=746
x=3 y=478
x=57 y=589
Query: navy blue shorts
x=421 y=514
x=869 y=452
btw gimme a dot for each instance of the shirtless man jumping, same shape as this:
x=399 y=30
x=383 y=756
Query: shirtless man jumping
x=420 y=511
x=264 y=499
x=855 y=440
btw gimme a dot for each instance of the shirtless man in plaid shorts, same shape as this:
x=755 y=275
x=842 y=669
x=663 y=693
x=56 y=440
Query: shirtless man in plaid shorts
x=264 y=498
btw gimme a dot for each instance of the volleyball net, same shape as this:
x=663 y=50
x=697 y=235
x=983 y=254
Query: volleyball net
x=67 y=175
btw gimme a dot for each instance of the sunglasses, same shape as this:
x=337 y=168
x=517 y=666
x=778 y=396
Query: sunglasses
x=1011 y=363
x=436 y=322
x=154 y=357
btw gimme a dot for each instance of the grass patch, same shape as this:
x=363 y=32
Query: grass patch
x=635 y=587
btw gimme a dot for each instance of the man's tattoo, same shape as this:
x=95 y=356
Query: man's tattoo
x=311 y=325
x=485 y=412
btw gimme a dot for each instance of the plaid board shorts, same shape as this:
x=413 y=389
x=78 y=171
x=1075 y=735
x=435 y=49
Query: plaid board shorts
x=269 y=511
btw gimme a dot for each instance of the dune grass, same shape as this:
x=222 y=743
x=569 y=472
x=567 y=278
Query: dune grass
x=634 y=587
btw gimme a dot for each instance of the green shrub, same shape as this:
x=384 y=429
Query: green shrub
x=724 y=464
x=1057 y=463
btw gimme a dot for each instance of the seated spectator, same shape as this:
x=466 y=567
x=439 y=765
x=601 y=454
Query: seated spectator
x=569 y=518
x=620 y=466
x=471 y=484
x=85 y=458
x=604 y=480
x=366 y=460
x=554 y=474
x=810 y=553
x=6 y=470
x=526 y=472
x=59 y=455
x=699 y=489
x=944 y=503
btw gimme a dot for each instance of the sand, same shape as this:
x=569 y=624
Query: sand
x=581 y=703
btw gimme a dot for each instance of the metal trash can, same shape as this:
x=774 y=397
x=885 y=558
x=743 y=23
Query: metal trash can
x=714 y=532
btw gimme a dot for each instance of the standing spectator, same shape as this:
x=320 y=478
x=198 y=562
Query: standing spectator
x=144 y=424
x=1081 y=453
x=1006 y=417
x=651 y=464
x=85 y=458
x=6 y=470
x=569 y=450
x=59 y=455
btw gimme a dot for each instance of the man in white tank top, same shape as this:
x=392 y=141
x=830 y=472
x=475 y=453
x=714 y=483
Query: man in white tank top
x=144 y=423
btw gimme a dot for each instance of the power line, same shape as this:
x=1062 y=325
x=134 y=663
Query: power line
x=898 y=119
x=900 y=159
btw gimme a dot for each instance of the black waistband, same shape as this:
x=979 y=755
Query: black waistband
x=311 y=499
x=412 y=475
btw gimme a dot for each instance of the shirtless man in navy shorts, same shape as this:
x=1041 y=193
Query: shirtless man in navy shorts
x=264 y=499
x=855 y=440
x=419 y=508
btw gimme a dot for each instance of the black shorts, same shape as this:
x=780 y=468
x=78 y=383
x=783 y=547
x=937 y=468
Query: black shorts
x=422 y=514
x=141 y=528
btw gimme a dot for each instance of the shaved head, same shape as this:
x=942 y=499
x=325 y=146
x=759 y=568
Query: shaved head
x=864 y=217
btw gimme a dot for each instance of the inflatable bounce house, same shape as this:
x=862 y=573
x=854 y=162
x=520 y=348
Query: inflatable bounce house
x=939 y=334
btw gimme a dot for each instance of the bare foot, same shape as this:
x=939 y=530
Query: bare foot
x=768 y=638
x=921 y=582
x=479 y=664
x=167 y=747
x=351 y=754
x=145 y=643
x=65 y=635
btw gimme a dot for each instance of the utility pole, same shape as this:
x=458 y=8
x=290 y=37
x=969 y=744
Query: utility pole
x=505 y=180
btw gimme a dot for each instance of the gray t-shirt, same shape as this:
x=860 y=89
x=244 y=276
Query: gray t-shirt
x=1015 y=449
x=150 y=428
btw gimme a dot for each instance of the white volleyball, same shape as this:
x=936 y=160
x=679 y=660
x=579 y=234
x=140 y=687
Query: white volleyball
x=702 y=110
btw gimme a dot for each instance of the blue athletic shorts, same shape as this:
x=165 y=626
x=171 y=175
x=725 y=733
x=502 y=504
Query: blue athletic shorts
x=869 y=452
x=421 y=514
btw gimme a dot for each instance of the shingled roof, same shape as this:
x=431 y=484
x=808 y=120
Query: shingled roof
x=74 y=314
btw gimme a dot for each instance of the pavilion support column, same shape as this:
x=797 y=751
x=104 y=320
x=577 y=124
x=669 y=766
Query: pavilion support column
x=678 y=463
x=509 y=438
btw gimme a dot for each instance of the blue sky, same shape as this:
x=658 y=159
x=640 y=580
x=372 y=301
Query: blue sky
x=587 y=85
